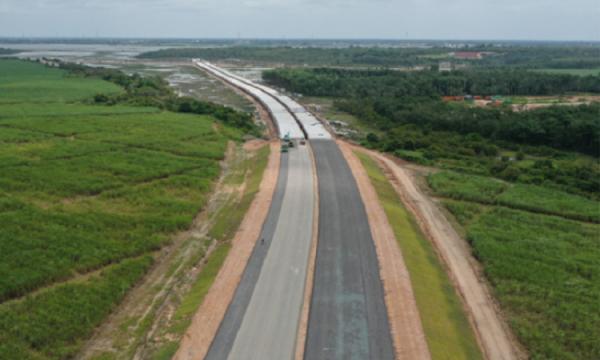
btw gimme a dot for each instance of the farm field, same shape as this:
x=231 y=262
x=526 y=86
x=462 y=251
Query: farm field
x=29 y=82
x=542 y=263
x=87 y=195
x=445 y=323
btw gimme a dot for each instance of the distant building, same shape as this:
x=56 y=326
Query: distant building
x=445 y=66
x=468 y=55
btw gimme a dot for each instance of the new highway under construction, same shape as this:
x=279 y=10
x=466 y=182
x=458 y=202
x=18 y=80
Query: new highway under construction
x=347 y=312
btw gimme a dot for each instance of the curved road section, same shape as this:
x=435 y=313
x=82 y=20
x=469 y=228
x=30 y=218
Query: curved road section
x=348 y=317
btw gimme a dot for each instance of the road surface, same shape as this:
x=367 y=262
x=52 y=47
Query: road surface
x=348 y=317
x=266 y=326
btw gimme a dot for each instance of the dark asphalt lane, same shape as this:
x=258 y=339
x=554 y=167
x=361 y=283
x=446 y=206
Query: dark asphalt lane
x=348 y=317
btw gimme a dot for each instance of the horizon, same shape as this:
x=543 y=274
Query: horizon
x=462 y=20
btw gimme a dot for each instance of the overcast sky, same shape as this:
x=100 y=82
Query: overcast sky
x=389 y=19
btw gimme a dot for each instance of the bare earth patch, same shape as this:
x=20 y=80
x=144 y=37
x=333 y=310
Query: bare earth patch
x=206 y=321
x=405 y=322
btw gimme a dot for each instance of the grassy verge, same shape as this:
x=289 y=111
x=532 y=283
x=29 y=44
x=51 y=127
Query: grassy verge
x=446 y=327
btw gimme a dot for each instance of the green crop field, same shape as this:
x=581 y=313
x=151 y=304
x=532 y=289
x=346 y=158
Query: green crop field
x=22 y=81
x=87 y=195
x=534 y=198
x=544 y=268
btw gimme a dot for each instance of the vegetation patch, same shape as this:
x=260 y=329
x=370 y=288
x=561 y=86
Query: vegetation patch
x=466 y=187
x=545 y=200
x=446 y=326
x=89 y=192
x=22 y=81
x=544 y=271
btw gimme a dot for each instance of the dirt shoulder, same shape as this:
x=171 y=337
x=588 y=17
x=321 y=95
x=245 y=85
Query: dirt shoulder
x=403 y=314
x=493 y=334
x=206 y=321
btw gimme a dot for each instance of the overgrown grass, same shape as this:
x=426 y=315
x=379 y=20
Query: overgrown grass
x=466 y=187
x=22 y=81
x=540 y=199
x=28 y=328
x=83 y=190
x=544 y=269
x=534 y=198
x=545 y=273
x=447 y=329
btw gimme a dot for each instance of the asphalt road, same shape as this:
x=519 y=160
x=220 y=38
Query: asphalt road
x=348 y=317
x=230 y=324
x=262 y=320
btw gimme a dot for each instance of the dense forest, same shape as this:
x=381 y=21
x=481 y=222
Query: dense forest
x=155 y=91
x=390 y=83
x=498 y=54
x=305 y=55
x=388 y=98
x=409 y=119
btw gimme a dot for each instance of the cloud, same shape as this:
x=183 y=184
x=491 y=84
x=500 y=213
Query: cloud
x=478 y=19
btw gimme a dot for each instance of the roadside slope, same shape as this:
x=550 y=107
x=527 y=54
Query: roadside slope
x=495 y=337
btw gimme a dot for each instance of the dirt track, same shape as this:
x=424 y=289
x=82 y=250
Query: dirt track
x=207 y=319
x=405 y=323
x=495 y=338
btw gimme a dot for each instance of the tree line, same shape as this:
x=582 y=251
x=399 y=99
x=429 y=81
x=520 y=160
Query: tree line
x=390 y=98
x=398 y=84
x=526 y=55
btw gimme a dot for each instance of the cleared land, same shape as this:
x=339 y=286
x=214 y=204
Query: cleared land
x=543 y=268
x=88 y=195
x=447 y=328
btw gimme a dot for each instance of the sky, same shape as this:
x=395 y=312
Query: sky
x=347 y=19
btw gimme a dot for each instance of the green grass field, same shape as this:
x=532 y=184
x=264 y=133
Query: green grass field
x=543 y=268
x=447 y=329
x=22 y=81
x=87 y=194
x=487 y=190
